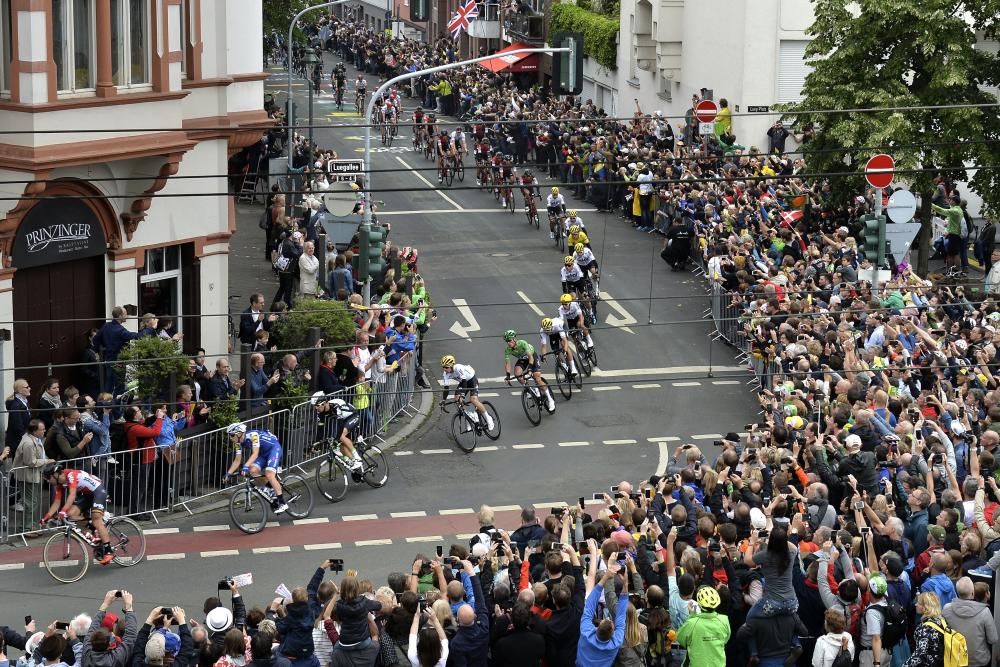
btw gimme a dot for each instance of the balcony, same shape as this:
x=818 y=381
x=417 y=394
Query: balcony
x=487 y=24
x=528 y=28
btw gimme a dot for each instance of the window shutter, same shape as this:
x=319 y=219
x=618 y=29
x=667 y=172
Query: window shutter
x=792 y=70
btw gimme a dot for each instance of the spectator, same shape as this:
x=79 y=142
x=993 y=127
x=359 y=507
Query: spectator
x=18 y=415
x=974 y=620
x=49 y=401
x=928 y=647
x=221 y=387
x=28 y=463
x=254 y=319
x=428 y=647
x=706 y=632
x=98 y=648
x=259 y=381
x=470 y=644
x=109 y=341
x=834 y=642
x=939 y=582
x=599 y=643
x=309 y=271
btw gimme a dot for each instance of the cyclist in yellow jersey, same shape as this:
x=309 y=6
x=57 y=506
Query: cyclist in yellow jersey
x=577 y=235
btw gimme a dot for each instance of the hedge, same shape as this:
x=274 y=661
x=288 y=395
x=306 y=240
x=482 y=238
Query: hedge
x=599 y=32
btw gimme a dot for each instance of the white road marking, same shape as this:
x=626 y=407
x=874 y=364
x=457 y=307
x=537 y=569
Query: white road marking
x=403 y=453
x=465 y=536
x=685 y=384
x=524 y=297
x=425 y=538
x=61 y=563
x=403 y=515
x=371 y=543
x=205 y=529
x=623 y=319
x=707 y=436
x=463 y=510
x=488 y=394
x=359 y=517
x=271 y=550
x=223 y=552
x=577 y=443
x=530 y=445
x=436 y=451
x=661 y=467
x=429 y=184
x=471 y=326
x=174 y=556
x=160 y=531
x=619 y=442
x=516 y=392
x=726 y=382
x=306 y=522
x=651 y=385
x=664 y=438
x=638 y=372
x=487 y=448
x=12 y=566
x=613 y=387
x=507 y=508
x=326 y=546
x=271 y=524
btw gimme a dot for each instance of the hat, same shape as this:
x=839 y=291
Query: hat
x=479 y=549
x=878 y=585
x=853 y=442
x=622 y=538
x=894 y=565
x=937 y=532
x=732 y=437
x=296 y=235
x=155 y=648
x=171 y=642
x=109 y=620
x=219 y=619
x=990 y=329
x=795 y=422
x=33 y=641
x=957 y=427
x=995 y=316
x=757 y=519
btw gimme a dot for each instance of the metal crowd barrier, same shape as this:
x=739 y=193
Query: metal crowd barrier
x=144 y=481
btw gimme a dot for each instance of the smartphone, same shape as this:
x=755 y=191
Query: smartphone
x=27 y=620
x=61 y=625
x=558 y=511
x=961 y=412
x=440 y=550
x=598 y=496
x=166 y=611
x=865 y=530
x=582 y=501
x=614 y=489
x=557 y=546
x=650 y=513
x=649 y=493
x=767 y=500
x=336 y=565
x=118 y=594
x=860 y=505
x=582 y=547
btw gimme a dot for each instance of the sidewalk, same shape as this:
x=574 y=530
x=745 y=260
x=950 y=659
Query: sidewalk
x=248 y=271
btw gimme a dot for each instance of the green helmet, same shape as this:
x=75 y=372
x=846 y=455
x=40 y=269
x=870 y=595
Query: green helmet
x=509 y=335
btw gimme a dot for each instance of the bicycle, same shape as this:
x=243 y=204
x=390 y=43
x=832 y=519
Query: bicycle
x=459 y=167
x=532 y=400
x=448 y=170
x=360 y=99
x=71 y=547
x=586 y=355
x=531 y=211
x=588 y=301
x=250 y=504
x=564 y=380
x=467 y=425
x=331 y=474
x=340 y=99
x=560 y=234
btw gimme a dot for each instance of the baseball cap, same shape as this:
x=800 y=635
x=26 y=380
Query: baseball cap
x=878 y=585
x=853 y=441
x=937 y=532
x=109 y=620
x=219 y=619
x=171 y=642
x=757 y=519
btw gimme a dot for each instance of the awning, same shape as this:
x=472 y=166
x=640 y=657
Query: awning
x=518 y=62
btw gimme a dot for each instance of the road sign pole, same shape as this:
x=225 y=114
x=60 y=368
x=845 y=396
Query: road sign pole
x=876 y=264
x=878 y=201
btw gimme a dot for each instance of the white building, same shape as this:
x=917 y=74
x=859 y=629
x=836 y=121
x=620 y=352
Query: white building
x=101 y=101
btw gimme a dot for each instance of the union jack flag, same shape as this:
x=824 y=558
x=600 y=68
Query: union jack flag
x=460 y=20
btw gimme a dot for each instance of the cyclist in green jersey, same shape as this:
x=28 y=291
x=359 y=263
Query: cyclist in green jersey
x=519 y=356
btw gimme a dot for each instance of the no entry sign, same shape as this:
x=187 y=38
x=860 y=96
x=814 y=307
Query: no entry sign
x=879 y=170
x=706 y=111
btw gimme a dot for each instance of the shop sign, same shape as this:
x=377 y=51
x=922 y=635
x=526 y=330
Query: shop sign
x=58 y=230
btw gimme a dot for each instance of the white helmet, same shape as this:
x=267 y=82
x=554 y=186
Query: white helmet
x=339 y=402
x=318 y=397
x=239 y=428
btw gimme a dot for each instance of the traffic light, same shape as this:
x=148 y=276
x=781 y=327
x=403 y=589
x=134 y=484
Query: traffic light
x=567 y=67
x=419 y=10
x=873 y=229
x=371 y=264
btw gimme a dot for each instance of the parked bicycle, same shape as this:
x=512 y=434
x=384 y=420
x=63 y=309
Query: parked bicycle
x=332 y=473
x=250 y=504
x=467 y=426
x=66 y=554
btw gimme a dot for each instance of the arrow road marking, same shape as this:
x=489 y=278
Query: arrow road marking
x=472 y=325
x=524 y=297
x=623 y=320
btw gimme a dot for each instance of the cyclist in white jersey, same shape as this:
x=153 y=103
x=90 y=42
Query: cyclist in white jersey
x=571 y=275
x=459 y=142
x=464 y=378
x=573 y=219
x=556 y=205
x=572 y=314
x=553 y=337
x=585 y=259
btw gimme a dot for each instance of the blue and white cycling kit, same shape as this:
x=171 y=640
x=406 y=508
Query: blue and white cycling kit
x=268 y=448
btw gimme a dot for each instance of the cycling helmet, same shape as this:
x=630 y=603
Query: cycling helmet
x=444 y=133
x=51 y=470
x=578 y=247
x=547 y=324
x=572 y=212
x=568 y=260
x=527 y=172
x=318 y=398
x=239 y=428
x=708 y=598
x=566 y=299
x=574 y=229
x=447 y=361
x=509 y=335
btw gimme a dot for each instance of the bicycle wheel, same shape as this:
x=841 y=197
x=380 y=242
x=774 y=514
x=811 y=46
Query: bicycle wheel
x=532 y=406
x=583 y=361
x=592 y=355
x=510 y=202
x=389 y=135
x=464 y=432
x=376 y=471
x=248 y=510
x=331 y=479
x=66 y=557
x=298 y=495
x=449 y=173
x=537 y=221
x=563 y=380
x=493 y=434
x=461 y=171
x=128 y=542
x=578 y=378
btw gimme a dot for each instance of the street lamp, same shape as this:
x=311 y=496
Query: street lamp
x=311 y=58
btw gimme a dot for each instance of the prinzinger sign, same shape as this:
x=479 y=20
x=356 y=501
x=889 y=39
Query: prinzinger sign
x=58 y=230
x=67 y=237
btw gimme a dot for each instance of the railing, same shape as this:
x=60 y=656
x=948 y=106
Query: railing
x=152 y=480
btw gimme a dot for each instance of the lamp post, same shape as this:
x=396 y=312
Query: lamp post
x=311 y=58
x=291 y=116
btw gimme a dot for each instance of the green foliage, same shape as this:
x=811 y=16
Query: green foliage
x=293 y=392
x=151 y=361
x=330 y=316
x=892 y=53
x=224 y=412
x=600 y=33
x=278 y=14
x=609 y=8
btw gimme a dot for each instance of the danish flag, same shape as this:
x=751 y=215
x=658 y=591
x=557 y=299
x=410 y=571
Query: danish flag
x=460 y=20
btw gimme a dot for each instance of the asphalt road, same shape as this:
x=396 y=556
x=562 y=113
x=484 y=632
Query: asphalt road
x=661 y=382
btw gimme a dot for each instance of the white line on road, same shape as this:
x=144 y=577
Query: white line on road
x=205 y=529
x=271 y=524
x=306 y=522
x=271 y=550
x=613 y=387
x=223 y=552
x=174 y=556
x=12 y=566
x=661 y=466
x=326 y=546
x=516 y=392
x=403 y=453
x=726 y=382
x=435 y=451
x=530 y=445
x=575 y=443
x=161 y=531
x=371 y=543
x=641 y=372
x=650 y=385
x=465 y=536
x=619 y=442
x=463 y=510
x=524 y=297
x=428 y=184
x=403 y=515
x=487 y=448
x=426 y=538
x=707 y=436
x=489 y=394
x=664 y=438
x=507 y=508
x=359 y=517
x=685 y=384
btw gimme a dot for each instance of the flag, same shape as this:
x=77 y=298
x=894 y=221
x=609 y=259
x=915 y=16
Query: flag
x=460 y=20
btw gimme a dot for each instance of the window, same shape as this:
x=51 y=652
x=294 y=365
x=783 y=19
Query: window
x=130 y=47
x=6 y=45
x=159 y=285
x=792 y=69
x=184 y=37
x=73 y=44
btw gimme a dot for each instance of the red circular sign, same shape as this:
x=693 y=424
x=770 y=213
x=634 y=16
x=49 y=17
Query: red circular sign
x=706 y=111
x=879 y=170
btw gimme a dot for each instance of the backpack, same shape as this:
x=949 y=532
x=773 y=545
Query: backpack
x=843 y=658
x=852 y=612
x=956 y=651
x=893 y=623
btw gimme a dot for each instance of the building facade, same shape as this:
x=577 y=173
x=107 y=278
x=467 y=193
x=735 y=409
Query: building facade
x=117 y=119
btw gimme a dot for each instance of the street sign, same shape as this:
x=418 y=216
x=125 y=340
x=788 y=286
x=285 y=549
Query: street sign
x=879 y=170
x=751 y=108
x=706 y=128
x=902 y=206
x=346 y=170
x=899 y=237
x=706 y=111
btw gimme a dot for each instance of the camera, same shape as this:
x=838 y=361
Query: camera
x=714 y=545
x=225 y=583
x=717 y=443
x=336 y=565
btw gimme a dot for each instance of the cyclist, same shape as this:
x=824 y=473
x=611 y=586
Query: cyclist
x=571 y=275
x=444 y=149
x=573 y=219
x=459 y=142
x=556 y=205
x=339 y=77
x=339 y=419
x=586 y=260
x=85 y=496
x=572 y=314
x=418 y=122
x=506 y=170
x=431 y=122
x=257 y=450
x=467 y=384
x=525 y=359
x=577 y=235
x=553 y=336
x=482 y=159
x=389 y=112
x=529 y=187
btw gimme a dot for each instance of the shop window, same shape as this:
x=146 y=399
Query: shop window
x=160 y=286
x=130 y=43
x=73 y=44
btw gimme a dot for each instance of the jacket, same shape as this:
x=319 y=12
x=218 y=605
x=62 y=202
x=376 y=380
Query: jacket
x=862 y=466
x=296 y=628
x=942 y=586
x=29 y=459
x=111 y=338
x=63 y=444
x=525 y=534
x=257 y=379
x=309 y=275
x=470 y=645
x=705 y=635
x=248 y=328
x=974 y=620
x=18 y=418
x=591 y=651
x=239 y=619
x=138 y=435
x=773 y=635
x=115 y=657
x=928 y=646
x=828 y=648
x=562 y=629
x=219 y=387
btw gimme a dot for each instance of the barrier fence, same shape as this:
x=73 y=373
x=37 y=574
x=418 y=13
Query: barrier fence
x=151 y=480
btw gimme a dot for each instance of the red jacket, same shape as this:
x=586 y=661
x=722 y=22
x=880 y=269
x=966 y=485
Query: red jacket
x=136 y=433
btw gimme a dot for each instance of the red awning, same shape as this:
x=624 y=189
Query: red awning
x=518 y=62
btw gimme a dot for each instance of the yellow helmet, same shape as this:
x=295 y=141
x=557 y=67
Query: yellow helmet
x=566 y=299
x=547 y=324
x=572 y=212
x=578 y=247
x=574 y=229
x=555 y=191
x=447 y=361
x=568 y=260
x=708 y=598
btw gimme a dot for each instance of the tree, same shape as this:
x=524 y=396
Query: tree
x=331 y=317
x=151 y=361
x=279 y=13
x=898 y=53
